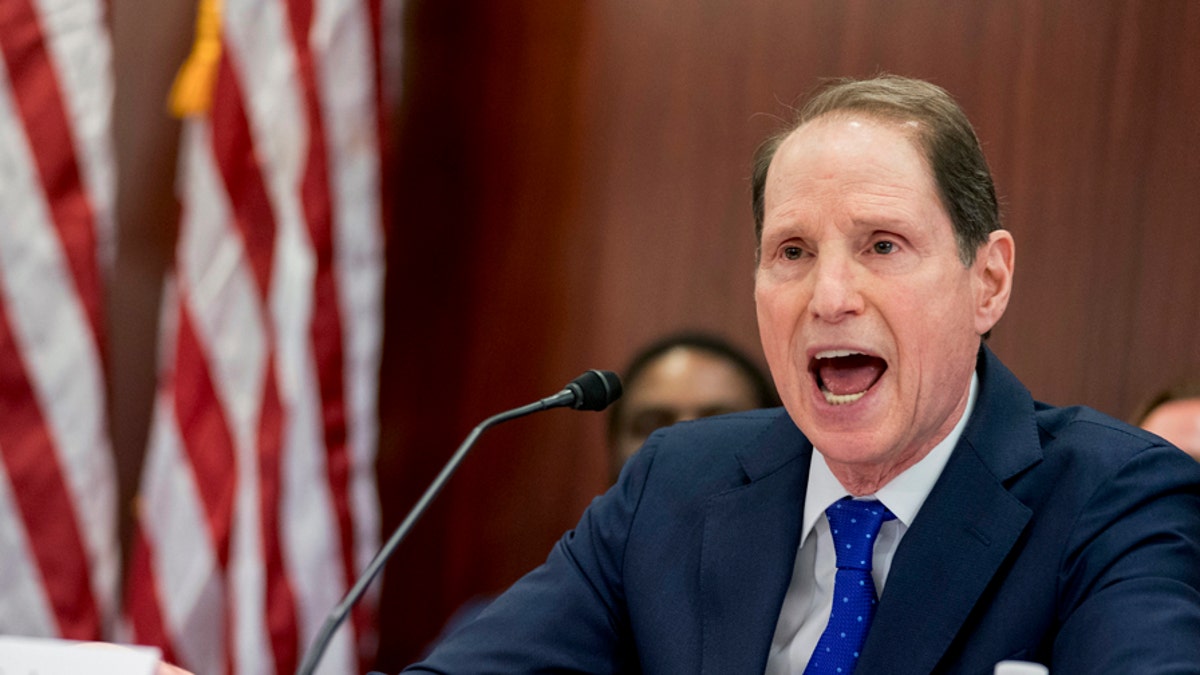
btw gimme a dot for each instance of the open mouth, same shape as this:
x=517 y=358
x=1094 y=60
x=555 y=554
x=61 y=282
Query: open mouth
x=845 y=376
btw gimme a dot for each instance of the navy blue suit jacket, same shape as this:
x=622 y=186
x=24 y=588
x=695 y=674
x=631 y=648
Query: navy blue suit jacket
x=1056 y=535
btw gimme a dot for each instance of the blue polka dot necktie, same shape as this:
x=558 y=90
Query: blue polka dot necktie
x=854 y=525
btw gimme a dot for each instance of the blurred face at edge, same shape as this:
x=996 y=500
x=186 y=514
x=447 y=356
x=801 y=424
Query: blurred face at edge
x=869 y=319
x=1178 y=421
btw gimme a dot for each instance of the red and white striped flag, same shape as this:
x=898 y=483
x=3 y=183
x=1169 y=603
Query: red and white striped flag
x=58 y=545
x=257 y=505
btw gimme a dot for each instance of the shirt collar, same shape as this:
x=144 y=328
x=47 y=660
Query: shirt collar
x=903 y=495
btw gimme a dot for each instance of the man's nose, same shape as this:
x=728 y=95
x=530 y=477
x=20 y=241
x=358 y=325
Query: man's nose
x=835 y=288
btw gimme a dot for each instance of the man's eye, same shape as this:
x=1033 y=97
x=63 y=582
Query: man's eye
x=792 y=252
x=883 y=247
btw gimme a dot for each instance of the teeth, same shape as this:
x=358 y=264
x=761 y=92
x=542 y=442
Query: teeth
x=830 y=397
x=841 y=399
x=835 y=353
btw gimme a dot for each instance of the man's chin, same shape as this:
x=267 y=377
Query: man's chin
x=849 y=450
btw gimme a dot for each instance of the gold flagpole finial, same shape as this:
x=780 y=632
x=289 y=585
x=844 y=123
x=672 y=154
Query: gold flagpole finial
x=191 y=94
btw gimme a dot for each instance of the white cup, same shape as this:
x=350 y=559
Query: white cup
x=1020 y=668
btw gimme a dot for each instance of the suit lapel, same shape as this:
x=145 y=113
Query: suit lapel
x=962 y=534
x=944 y=563
x=751 y=534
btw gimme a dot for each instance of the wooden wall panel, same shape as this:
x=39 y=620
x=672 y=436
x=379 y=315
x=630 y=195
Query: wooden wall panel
x=482 y=311
x=149 y=40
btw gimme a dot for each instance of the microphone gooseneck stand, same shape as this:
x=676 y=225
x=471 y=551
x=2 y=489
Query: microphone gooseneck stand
x=594 y=390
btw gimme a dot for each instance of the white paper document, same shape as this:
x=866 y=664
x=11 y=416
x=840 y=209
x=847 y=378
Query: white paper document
x=39 y=656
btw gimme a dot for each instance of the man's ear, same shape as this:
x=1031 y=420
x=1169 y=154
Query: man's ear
x=993 y=273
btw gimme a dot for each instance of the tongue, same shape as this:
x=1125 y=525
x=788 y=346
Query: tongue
x=850 y=374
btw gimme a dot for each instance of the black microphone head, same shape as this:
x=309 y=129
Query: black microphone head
x=595 y=390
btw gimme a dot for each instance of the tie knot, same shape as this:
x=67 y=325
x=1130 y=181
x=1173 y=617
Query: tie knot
x=854 y=525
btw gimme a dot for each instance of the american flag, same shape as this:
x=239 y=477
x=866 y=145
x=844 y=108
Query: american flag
x=58 y=544
x=257 y=506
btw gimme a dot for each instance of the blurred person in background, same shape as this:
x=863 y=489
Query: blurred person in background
x=682 y=377
x=1174 y=414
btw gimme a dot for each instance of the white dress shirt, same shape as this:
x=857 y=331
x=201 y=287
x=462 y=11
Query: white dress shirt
x=809 y=598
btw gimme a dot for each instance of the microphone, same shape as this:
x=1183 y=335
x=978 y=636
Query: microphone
x=593 y=390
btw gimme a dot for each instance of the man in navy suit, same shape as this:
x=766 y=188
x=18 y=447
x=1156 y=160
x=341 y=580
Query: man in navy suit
x=1012 y=529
